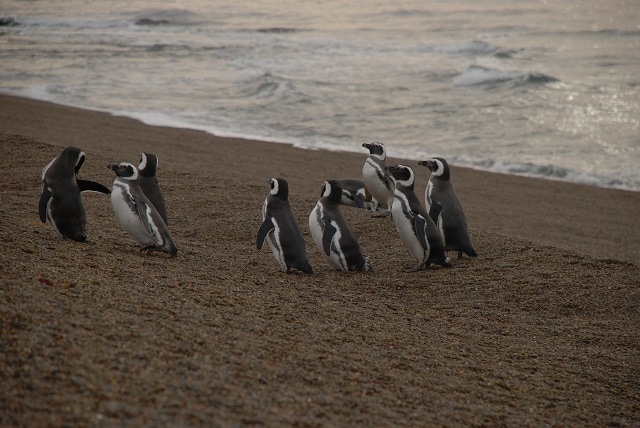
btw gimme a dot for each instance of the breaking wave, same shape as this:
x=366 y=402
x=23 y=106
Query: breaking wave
x=477 y=75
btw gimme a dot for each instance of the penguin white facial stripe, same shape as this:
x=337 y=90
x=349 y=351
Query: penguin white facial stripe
x=274 y=187
x=81 y=158
x=440 y=170
x=143 y=161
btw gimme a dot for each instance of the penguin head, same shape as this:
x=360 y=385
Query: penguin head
x=376 y=150
x=279 y=188
x=438 y=167
x=331 y=190
x=67 y=163
x=401 y=174
x=148 y=164
x=125 y=170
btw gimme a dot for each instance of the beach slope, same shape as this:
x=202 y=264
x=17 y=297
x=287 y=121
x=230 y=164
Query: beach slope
x=541 y=329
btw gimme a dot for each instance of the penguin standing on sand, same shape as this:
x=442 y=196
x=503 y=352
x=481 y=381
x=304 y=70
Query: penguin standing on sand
x=452 y=218
x=417 y=229
x=136 y=213
x=280 y=229
x=375 y=178
x=60 y=200
x=331 y=232
x=149 y=183
x=355 y=194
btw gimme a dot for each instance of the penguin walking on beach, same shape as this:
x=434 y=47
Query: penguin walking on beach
x=137 y=215
x=416 y=227
x=60 y=200
x=149 y=183
x=331 y=232
x=452 y=218
x=280 y=229
x=375 y=177
x=355 y=194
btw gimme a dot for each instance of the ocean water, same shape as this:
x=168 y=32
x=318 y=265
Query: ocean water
x=540 y=88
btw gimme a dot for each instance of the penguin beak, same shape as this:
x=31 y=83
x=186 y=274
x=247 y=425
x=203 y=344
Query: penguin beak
x=366 y=145
x=429 y=164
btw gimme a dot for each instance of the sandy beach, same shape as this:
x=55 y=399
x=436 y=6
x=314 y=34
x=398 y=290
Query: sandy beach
x=540 y=329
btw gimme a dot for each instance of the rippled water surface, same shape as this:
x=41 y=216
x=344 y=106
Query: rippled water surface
x=526 y=87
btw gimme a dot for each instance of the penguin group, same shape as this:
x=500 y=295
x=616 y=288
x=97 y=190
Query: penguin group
x=136 y=200
x=427 y=230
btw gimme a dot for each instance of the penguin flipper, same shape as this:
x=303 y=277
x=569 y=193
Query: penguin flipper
x=327 y=235
x=420 y=225
x=265 y=228
x=145 y=212
x=434 y=211
x=88 y=185
x=45 y=196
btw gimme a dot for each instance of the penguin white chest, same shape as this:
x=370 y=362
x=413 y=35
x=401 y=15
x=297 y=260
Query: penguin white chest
x=404 y=222
x=127 y=214
x=376 y=182
x=336 y=257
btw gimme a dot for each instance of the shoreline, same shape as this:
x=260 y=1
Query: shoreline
x=588 y=180
x=592 y=220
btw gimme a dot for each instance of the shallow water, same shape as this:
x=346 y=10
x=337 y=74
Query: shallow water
x=523 y=87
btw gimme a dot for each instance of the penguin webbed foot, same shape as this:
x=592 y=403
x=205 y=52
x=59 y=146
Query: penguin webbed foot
x=419 y=267
x=150 y=249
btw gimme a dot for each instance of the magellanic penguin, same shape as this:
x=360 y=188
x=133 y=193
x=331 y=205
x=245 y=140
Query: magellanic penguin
x=60 y=200
x=355 y=194
x=136 y=213
x=149 y=183
x=417 y=229
x=280 y=229
x=452 y=218
x=376 y=179
x=331 y=232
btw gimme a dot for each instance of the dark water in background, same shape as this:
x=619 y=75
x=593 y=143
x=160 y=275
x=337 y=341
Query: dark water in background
x=526 y=87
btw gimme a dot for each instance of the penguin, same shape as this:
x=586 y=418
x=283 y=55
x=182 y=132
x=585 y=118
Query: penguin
x=149 y=183
x=331 y=232
x=60 y=200
x=452 y=219
x=355 y=194
x=416 y=227
x=376 y=179
x=136 y=213
x=280 y=229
